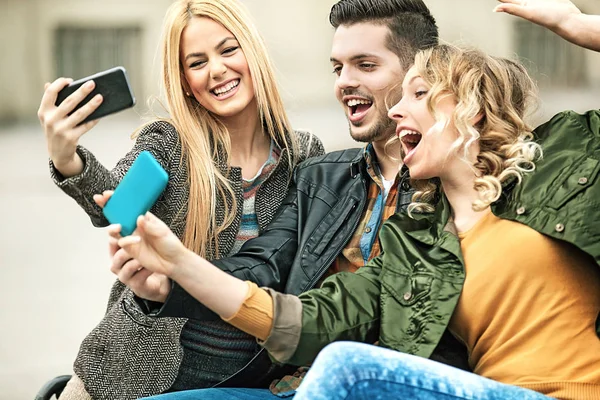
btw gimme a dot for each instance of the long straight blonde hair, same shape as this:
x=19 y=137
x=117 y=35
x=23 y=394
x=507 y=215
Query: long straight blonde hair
x=203 y=136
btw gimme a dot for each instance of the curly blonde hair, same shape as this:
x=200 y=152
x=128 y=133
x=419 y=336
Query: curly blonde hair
x=495 y=91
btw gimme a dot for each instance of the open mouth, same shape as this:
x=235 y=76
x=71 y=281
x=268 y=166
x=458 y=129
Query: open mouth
x=226 y=89
x=358 y=108
x=410 y=140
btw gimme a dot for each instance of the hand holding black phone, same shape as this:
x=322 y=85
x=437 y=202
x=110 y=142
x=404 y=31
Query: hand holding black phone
x=114 y=87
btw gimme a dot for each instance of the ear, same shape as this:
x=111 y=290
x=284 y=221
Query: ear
x=185 y=85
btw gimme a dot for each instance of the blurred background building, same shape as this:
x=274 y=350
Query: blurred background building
x=56 y=280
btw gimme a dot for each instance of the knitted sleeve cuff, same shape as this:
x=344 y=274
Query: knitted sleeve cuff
x=255 y=315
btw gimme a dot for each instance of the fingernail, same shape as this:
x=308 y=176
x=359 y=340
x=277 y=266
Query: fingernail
x=98 y=98
x=89 y=84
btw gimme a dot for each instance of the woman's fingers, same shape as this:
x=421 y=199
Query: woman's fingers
x=114 y=231
x=118 y=261
x=80 y=130
x=512 y=8
x=138 y=281
x=520 y=2
x=82 y=113
x=129 y=269
x=69 y=104
x=129 y=241
x=153 y=226
x=101 y=199
x=113 y=246
x=49 y=97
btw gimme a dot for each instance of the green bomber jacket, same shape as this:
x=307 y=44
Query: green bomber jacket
x=405 y=297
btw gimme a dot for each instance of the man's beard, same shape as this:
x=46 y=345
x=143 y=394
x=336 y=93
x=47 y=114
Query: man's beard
x=383 y=128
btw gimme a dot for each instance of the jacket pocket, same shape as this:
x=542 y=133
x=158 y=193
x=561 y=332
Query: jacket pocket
x=575 y=181
x=332 y=223
x=134 y=312
x=407 y=288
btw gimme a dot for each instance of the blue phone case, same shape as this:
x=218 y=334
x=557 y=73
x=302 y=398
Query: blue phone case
x=136 y=193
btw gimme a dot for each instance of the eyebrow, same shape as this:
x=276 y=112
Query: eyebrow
x=412 y=79
x=221 y=43
x=356 y=57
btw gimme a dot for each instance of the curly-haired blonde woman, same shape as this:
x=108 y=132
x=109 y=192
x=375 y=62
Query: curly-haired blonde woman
x=229 y=150
x=496 y=261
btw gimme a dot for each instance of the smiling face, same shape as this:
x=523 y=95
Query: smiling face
x=215 y=68
x=366 y=71
x=426 y=143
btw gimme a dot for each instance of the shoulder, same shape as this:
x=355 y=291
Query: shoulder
x=567 y=123
x=160 y=137
x=309 y=145
x=159 y=130
x=340 y=158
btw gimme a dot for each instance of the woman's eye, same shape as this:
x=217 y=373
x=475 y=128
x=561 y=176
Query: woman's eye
x=196 y=64
x=420 y=93
x=230 y=50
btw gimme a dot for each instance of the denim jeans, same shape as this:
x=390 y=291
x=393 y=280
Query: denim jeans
x=351 y=371
x=223 y=394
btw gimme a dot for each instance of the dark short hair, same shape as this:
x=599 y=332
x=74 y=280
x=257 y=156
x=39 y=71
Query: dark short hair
x=412 y=27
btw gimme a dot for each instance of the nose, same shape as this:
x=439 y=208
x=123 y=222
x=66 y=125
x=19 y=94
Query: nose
x=397 y=113
x=346 y=79
x=217 y=69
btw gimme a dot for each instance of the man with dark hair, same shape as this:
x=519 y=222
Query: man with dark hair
x=337 y=203
x=411 y=25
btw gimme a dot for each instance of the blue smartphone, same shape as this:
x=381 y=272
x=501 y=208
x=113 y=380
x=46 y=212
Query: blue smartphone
x=136 y=193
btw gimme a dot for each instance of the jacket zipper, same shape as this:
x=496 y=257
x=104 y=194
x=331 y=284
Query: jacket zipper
x=327 y=264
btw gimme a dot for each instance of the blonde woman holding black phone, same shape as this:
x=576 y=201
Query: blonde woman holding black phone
x=229 y=150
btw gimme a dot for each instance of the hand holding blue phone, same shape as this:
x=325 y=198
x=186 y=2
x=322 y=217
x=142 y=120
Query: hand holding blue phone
x=140 y=188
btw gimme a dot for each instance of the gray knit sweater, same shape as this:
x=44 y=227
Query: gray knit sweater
x=130 y=354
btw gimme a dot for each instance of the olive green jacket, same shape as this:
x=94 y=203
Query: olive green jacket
x=405 y=297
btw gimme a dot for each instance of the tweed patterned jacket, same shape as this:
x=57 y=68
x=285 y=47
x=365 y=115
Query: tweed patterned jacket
x=130 y=354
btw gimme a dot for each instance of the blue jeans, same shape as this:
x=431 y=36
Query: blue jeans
x=351 y=371
x=223 y=393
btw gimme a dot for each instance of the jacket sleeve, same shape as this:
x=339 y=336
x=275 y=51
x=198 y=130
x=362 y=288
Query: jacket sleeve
x=95 y=178
x=346 y=307
x=265 y=260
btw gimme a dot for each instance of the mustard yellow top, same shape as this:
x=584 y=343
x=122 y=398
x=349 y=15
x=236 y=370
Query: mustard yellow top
x=528 y=310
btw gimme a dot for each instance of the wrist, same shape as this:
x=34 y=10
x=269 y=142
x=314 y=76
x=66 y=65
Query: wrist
x=568 y=27
x=184 y=259
x=69 y=167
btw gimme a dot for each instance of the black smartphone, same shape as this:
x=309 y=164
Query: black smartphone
x=114 y=87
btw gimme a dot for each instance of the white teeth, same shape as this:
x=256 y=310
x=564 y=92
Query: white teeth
x=405 y=132
x=355 y=102
x=226 y=88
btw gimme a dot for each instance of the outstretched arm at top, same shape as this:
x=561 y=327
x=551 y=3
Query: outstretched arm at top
x=560 y=16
